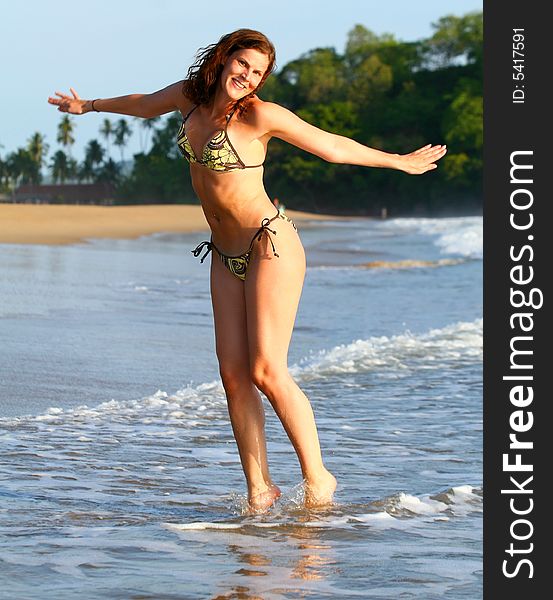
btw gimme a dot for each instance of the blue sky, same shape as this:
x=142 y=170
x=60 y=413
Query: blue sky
x=109 y=48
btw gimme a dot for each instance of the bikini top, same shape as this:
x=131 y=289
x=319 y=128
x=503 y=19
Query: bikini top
x=218 y=154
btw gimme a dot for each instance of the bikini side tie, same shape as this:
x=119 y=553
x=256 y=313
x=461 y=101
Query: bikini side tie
x=267 y=231
x=198 y=250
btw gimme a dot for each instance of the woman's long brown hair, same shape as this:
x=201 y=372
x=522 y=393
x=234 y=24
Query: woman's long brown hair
x=203 y=75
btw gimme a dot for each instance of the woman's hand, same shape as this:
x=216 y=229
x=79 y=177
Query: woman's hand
x=68 y=104
x=421 y=160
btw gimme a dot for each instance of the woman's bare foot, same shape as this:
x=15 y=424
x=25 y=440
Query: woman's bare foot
x=319 y=492
x=263 y=501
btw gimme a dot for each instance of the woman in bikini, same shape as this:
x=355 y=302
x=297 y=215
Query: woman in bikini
x=258 y=261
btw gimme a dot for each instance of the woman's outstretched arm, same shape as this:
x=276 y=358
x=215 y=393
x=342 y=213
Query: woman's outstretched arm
x=157 y=103
x=284 y=124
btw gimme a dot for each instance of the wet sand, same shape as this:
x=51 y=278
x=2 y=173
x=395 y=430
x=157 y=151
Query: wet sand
x=68 y=223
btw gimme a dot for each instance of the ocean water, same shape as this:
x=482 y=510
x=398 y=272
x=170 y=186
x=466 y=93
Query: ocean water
x=119 y=476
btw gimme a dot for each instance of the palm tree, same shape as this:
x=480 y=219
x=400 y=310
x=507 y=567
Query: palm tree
x=60 y=167
x=163 y=143
x=94 y=154
x=122 y=132
x=106 y=131
x=10 y=172
x=3 y=174
x=73 y=168
x=85 y=172
x=140 y=122
x=110 y=172
x=21 y=167
x=65 y=133
x=38 y=150
x=147 y=125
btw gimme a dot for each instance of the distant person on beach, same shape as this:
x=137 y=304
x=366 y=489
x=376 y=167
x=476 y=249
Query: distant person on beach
x=258 y=261
x=279 y=206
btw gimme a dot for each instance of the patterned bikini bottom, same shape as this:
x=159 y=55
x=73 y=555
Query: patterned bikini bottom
x=238 y=265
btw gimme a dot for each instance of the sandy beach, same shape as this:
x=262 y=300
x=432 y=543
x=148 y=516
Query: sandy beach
x=68 y=223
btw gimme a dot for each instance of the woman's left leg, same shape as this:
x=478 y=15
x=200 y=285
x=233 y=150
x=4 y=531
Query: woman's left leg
x=272 y=292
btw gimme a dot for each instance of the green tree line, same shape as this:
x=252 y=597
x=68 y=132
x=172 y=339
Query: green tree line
x=26 y=164
x=388 y=94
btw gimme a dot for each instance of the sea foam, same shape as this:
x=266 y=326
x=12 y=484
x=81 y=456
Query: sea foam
x=460 y=236
x=460 y=341
x=400 y=511
x=193 y=405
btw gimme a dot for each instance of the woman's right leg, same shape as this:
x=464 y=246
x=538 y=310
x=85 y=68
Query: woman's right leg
x=244 y=402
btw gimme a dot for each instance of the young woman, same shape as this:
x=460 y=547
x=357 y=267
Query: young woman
x=258 y=261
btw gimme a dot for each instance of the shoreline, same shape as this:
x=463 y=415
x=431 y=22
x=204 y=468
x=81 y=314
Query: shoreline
x=62 y=224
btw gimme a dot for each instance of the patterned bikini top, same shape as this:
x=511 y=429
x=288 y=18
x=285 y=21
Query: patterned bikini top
x=218 y=154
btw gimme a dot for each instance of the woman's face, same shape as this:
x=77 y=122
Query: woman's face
x=243 y=72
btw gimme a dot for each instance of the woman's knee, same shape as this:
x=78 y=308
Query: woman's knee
x=267 y=376
x=235 y=379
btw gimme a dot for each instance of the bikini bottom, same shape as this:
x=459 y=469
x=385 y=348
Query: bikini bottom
x=238 y=265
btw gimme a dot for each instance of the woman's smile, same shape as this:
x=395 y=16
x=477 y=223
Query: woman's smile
x=238 y=84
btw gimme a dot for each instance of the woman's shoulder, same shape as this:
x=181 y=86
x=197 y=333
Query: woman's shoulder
x=262 y=106
x=259 y=110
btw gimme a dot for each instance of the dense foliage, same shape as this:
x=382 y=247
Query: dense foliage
x=391 y=95
x=385 y=93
